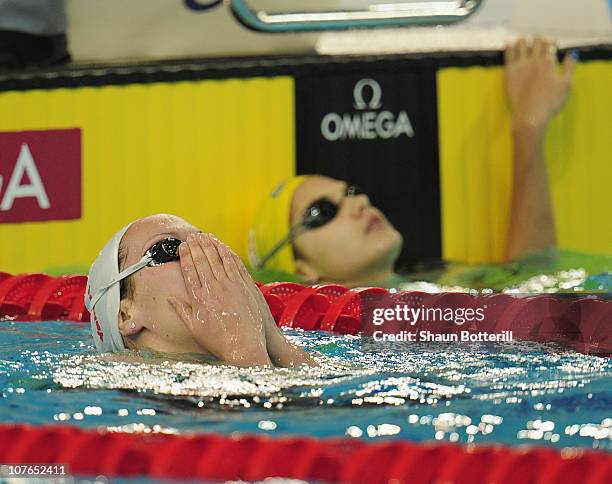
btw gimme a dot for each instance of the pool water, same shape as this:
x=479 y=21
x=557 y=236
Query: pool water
x=517 y=393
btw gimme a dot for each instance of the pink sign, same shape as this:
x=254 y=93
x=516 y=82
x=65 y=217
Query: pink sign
x=40 y=175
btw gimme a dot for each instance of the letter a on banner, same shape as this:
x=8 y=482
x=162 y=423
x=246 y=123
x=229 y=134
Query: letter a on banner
x=25 y=165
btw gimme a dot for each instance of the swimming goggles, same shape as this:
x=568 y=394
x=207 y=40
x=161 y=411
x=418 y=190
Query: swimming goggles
x=317 y=214
x=159 y=253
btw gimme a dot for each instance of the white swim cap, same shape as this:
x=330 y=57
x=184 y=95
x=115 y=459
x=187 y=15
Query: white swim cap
x=102 y=296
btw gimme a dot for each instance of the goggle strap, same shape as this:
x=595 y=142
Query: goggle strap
x=295 y=231
x=128 y=271
x=351 y=191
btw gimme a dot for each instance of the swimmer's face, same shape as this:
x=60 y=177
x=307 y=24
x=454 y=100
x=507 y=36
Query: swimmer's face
x=357 y=243
x=146 y=318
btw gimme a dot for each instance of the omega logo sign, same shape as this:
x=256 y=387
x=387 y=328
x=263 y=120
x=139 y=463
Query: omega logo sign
x=370 y=122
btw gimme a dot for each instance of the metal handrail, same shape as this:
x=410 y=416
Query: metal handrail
x=387 y=15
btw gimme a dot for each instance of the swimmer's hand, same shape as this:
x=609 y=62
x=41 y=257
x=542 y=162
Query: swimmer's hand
x=536 y=88
x=281 y=351
x=222 y=313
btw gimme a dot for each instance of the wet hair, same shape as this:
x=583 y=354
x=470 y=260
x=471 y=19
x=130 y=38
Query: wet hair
x=126 y=286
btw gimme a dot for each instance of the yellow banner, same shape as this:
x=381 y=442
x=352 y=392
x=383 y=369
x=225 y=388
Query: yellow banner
x=209 y=151
x=476 y=162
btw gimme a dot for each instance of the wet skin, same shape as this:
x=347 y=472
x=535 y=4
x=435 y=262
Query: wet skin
x=359 y=246
x=206 y=303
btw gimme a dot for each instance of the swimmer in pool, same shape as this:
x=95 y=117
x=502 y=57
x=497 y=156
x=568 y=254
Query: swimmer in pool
x=163 y=285
x=321 y=230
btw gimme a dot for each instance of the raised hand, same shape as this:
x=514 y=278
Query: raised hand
x=222 y=313
x=536 y=87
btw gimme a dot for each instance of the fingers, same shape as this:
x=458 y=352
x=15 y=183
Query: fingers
x=244 y=273
x=190 y=275
x=522 y=49
x=516 y=51
x=542 y=48
x=233 y=265
x=245 y=276
x=228 y=261
x=202 y=249
x=250 y=283
x=568 y=66
x=221 y=260
x=509 y=54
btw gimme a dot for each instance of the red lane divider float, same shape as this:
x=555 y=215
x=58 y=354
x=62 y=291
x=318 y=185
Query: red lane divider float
x=581 y=323
x=17 y=293
x=251 y=458
x=38 y=297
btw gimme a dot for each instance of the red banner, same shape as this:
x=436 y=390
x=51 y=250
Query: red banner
x=40 y=175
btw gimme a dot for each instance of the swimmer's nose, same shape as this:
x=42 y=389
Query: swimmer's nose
x=358 y=204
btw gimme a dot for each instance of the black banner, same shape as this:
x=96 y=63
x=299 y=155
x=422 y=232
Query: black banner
x=377 y=128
